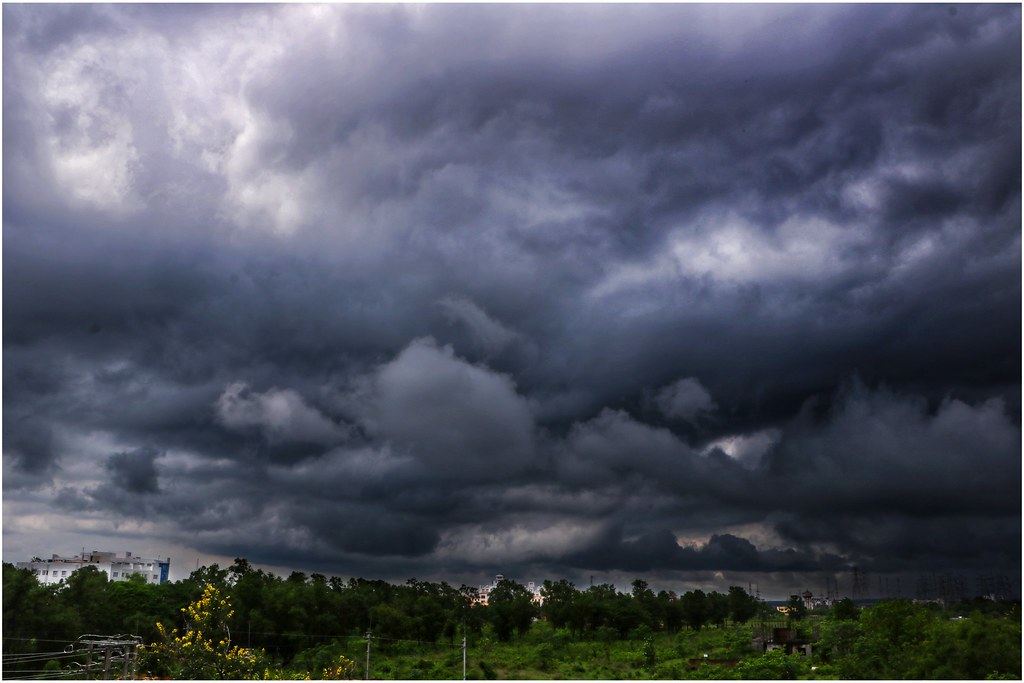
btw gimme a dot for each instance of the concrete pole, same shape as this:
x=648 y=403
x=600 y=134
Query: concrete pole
x=369 y=635
x=106 y=662
x=463 y=656
x=135 y=660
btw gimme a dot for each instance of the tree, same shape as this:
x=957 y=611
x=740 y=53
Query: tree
x=211 y=575
x=84 y=592
x=641 y=591
x=239 y=569
x=717 y=608
x=204 y=650
x=560 y=603
x=845 y=610
x=694 y=609
x=30 y=612
x=135 y=606
x=510 y=608
x=742 y=605
x=774 y=665
x=795 y=608
x=671 y=611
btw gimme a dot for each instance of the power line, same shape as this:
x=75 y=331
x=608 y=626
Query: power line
x=29 y=655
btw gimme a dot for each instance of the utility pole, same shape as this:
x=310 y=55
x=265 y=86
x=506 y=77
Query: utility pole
x=135 y=661
x=124 y=650
x=106 y=663
x=369 y=635
x=463 y=654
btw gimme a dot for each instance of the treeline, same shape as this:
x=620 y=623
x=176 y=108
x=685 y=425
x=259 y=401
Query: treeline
x=312 y=623
x=285 y=616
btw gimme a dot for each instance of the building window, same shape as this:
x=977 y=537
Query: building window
x=115 y=575
x=64 y=573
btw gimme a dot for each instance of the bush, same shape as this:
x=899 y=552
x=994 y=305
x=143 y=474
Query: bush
x=775 y=665
x=204 y=651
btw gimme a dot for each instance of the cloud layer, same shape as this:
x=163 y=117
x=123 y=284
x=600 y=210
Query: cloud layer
x=450 y=290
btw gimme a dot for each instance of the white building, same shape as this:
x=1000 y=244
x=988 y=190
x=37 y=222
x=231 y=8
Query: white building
x=116 y=567
x=484 y=591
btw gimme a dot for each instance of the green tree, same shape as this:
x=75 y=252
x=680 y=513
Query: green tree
x=211 y=575
x=846 y=609
x=84 y=593
x=204 y=650
x=32 y=617
x=511 y=609
x=717 y=608
x=891 y=633
x=135 y=606
x=742 y=605
x=694 y=609
x=795 y=608
x=624 y=614
x=774 y=665
x=671 y=611
x=560 y=603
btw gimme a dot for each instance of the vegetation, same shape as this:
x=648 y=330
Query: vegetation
x=244 y=623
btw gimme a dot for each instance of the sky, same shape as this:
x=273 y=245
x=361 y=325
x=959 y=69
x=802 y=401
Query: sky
x=707 y=295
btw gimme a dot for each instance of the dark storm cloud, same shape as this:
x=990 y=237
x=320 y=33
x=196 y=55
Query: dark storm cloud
x=873 y=445
x=135 y=471
x=463 y=288
x=722 y=552
x=30 y=444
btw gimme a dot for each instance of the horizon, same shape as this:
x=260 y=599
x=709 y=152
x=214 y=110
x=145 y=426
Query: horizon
x=905 y=586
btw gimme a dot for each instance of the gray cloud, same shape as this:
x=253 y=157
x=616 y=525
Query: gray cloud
x=686 y=399
x=487 y=333
x=669 y=289
x=450 y=414
x=135 y=471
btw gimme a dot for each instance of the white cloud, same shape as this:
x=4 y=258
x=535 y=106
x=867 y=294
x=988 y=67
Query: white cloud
x=89 y=132
x=746 y=448
x=726 y=247
x=280 y=414
x=515 y=542
x=489 y=334
x=686 y=399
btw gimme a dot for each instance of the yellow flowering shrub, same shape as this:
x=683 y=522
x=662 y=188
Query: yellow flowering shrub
x=204 y=650
x=341 y=669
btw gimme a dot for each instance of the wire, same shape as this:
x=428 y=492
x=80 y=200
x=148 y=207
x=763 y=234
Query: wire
x=15 y=659
x=422 y=642
x=34 y=654
x=48 y=675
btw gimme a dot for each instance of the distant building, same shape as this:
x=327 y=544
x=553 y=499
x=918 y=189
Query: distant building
x=116 y=567
x=768 y=637
x=484 y=591
x=809 y=602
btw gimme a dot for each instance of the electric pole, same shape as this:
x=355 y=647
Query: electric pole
x=369 y=635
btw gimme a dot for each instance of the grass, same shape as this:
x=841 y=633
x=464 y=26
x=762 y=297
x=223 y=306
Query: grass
x=547 y=654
